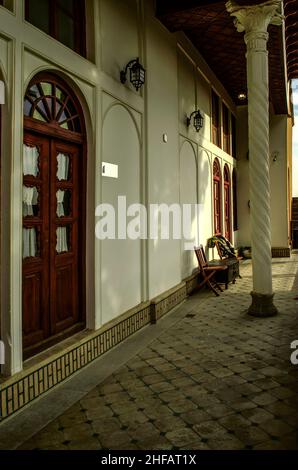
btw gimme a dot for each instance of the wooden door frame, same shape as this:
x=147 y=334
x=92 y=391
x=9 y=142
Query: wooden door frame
x=227 y=186
x=217 y=181
x=54 y=131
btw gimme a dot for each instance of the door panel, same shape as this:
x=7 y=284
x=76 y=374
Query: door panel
x=64 y=236
x=52 y=245
x=35 y=239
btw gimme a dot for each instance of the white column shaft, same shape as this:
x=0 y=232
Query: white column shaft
x=254 y=21
x=258 y=121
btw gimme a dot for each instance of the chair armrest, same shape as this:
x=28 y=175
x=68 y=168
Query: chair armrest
x=216 y=268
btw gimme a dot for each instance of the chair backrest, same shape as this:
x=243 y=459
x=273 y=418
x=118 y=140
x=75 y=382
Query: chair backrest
x=201 y=257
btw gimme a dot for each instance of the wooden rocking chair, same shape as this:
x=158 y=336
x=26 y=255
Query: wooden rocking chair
x=208 y=271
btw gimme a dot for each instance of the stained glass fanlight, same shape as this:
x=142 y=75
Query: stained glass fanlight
x=49 y=103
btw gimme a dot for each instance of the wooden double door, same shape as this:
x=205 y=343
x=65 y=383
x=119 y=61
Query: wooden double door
x=53 y=252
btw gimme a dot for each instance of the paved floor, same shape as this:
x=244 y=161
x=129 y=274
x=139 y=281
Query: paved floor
x=215 y=379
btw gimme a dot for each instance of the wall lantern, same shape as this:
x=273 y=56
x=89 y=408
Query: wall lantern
x=137 y=73
x=198 y=120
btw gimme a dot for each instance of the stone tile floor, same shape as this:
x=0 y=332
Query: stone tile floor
x=216 y=379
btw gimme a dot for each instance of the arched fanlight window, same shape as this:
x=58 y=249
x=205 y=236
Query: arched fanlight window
x=227 y=202
x=48 y=102
x=235 y=202
x=217 y=196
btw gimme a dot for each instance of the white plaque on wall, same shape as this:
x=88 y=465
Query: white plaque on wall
x=109 y=169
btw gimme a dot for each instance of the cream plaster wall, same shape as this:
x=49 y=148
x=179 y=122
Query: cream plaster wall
x=278 y=180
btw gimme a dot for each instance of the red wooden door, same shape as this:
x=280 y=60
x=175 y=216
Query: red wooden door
x=52 y=241
x=217 y=203
x=227 y=210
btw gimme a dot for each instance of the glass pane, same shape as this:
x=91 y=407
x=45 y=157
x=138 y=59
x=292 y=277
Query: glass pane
x=38 y=116
x=63 y=239
x=30 y=201
x=30 y=243
x=63 y=203
x=41 y=107
x=27 y=107
x=38 y=14
x=66 y=29
x=66 y=125
x=60 y=94
x=30 y=160
x=34 y=92
x=47 y=88
x=62 y=167
x=64 y=115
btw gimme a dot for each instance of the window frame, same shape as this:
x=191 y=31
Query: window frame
x=226 y=128
x=217 y=209
x=227 y=203
x=79 y=19
x=216 y=122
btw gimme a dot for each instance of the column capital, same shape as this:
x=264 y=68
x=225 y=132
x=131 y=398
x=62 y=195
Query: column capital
x=255 y=18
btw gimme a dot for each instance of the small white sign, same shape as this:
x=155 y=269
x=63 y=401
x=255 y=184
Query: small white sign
x=2 y=92
x=109 y=169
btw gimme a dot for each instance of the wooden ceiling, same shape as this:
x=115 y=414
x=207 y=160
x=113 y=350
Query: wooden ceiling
x=210 y=28
x=291 y=14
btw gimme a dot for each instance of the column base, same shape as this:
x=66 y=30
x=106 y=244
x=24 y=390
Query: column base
x=262 y=305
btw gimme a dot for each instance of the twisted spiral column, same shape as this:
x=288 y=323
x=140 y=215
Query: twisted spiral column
x=258 y=122
x=254 y=20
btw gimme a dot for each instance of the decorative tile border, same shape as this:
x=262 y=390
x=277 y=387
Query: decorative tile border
x=281 y=252
x=35 y=380
x=192 y=282
x=165 y=302
x=23 y=388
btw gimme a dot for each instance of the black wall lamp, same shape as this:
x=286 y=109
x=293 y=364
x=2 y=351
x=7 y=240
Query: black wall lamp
x=137 y=73
x=198 y=120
